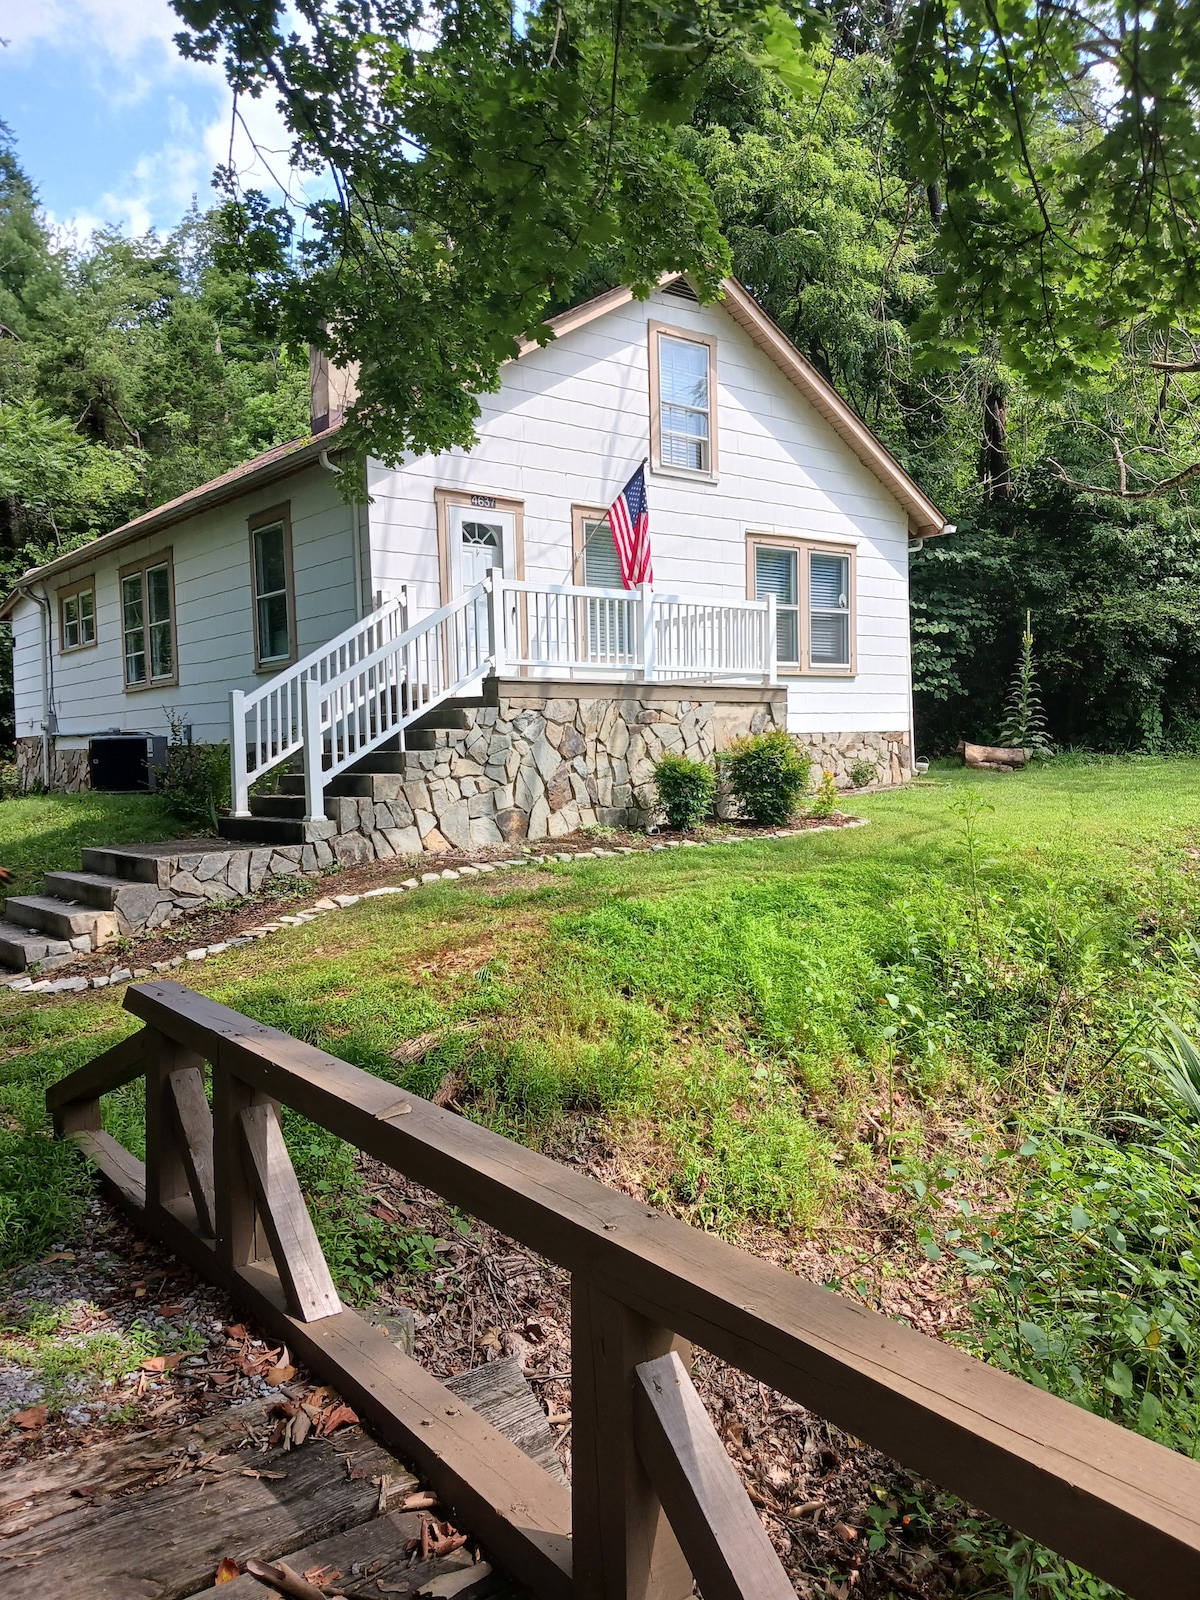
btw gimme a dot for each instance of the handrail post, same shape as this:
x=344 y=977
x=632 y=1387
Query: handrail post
x=623 y=1546
x=771 y=664
x=314 y=777
x=239 y=784
x=236 y=1228
x=496 y=619
x=649 y=651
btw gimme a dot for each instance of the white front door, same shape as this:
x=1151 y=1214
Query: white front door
x=479 y=540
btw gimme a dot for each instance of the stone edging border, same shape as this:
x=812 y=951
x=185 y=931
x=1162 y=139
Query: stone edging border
x=341 y=902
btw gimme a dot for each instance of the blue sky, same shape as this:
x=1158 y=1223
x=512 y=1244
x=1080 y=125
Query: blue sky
x=112 y=125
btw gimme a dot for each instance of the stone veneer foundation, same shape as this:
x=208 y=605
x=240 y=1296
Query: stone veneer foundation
x=539 y=762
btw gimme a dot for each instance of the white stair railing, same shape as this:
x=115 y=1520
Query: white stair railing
x=443 y=655
x=266 y=725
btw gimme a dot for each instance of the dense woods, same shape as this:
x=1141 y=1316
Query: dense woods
x=946 y=273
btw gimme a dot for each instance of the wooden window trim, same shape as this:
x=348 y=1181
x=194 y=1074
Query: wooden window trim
x=267 y=519
x=159 y=558
x=653 y=331
x=68 y=592
x=804 y=548
x=443 y=499
x=580 y=515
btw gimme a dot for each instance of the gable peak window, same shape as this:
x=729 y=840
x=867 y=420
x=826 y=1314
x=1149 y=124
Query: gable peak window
x=77 y=617
x=682 y=402
x=271 y=572
x=148 y=623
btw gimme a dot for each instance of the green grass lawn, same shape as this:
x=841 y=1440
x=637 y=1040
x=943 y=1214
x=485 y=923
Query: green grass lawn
x=949 y=1005
x=45 y=832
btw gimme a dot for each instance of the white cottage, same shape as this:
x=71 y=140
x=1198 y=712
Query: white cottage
x=459 y=648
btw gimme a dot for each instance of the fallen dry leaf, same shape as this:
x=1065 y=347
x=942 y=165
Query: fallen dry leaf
x=236 y=1330
x=845 y=1533
x=299 y=1428
x=59 y=1255
x=322 y=1576
x=338 y=1417
x=227 y=1570
x=31 y=1417
x=257 y=1472
x=277 y=1375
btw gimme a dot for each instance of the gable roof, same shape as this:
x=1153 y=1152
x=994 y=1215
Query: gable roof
x=925 y=519
x=278 y=462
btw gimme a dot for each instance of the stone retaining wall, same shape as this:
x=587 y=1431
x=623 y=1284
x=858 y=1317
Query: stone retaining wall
x=69 y=771
x=837 y=753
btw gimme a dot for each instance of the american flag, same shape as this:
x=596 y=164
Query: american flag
x=629 y=519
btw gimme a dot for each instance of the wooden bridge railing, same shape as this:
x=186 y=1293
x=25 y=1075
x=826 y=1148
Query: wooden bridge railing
x=654 y=1497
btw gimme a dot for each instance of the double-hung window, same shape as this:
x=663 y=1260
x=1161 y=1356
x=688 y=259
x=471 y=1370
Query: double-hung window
x=813 y=590
x=77 y=616
x=271 y=574
x=148 y=623
x=605 y=623
x=683 y=431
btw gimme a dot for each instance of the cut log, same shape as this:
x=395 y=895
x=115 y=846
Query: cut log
x=994 y=757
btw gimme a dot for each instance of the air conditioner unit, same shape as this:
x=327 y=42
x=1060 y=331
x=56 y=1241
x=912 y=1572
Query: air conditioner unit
x=127 y=763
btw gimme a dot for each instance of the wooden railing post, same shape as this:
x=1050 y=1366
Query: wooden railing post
x=623 y=1546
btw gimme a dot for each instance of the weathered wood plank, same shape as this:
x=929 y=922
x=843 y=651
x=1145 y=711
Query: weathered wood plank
x=166 y=1543
x=500 y=1393
x=624 y=1547
x=299 y=1259
x=381 y=1540
x=1127 y=1509
x=708 y=1508
x=37 y=1490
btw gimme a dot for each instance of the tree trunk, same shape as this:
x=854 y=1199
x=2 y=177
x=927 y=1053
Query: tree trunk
x=994 y=468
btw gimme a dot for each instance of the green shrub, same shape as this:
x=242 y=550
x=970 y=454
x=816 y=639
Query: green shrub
x=196 y=782
x=685 y=790
x=768 y=773
x=825 y=797
x=863 y=772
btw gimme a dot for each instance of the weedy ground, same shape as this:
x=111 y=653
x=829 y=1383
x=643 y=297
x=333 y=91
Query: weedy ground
x=905 y=1060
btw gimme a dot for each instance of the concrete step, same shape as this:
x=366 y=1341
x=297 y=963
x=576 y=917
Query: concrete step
x=380 y=761
x=20 y=947
x=61 y=919
x=262 y=830
x=98 y=889
x=292 y=783
x=277 y=805
x=144 y=863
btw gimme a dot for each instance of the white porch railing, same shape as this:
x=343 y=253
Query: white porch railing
x=266 y=726
x=378 y=677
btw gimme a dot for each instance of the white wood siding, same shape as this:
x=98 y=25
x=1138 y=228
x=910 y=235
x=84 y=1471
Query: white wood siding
x=569 y=425
x=214 y=625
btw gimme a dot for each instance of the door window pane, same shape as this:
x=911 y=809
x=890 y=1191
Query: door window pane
x=270 y=589
x=775 y=573
x=829 y=604
x=684 y=403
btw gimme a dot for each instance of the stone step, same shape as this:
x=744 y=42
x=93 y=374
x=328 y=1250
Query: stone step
x=262 y=830
x=277 y=805
x=20 y=947
x=145 y=863
x=99 y=889
x=61 y=919
x=292 y=783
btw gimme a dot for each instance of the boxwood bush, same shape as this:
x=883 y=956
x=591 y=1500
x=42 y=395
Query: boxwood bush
x=768 y=774
x=685 y=790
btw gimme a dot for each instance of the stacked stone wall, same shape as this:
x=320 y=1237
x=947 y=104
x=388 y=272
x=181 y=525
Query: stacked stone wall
x=69 y=771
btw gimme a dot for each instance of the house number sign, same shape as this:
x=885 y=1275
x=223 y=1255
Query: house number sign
x=483 y=502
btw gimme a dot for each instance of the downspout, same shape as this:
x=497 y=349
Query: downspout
x=49 y=715
x=323 y=458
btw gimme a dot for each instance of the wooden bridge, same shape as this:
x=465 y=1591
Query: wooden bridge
x=654 y=1498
